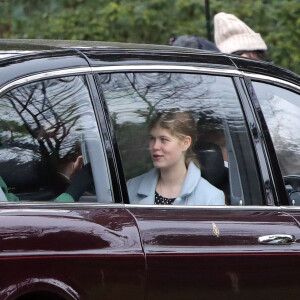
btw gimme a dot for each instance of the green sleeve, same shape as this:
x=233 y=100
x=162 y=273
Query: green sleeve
x=64 y=197
x=9 y=196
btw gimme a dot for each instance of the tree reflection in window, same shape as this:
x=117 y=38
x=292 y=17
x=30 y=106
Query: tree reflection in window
x=133 y=98
x=40 y=124
x=281 y=109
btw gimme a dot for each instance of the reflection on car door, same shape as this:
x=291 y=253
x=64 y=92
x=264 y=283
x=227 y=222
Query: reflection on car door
x=89 y=253
x=215 y=253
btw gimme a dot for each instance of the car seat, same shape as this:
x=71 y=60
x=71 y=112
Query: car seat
x=29 y=180
x=212 y=167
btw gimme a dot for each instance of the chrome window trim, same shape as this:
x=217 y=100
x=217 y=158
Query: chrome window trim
x=272 y=79
x=290 y=207
x=164 y=68
x=88 y=70
x=53 y=205
x=67 y=205
x=210 y=207
x=44 y=75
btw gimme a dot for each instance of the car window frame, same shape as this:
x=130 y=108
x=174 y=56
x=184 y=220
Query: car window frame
x=234 y=74
x=279 y=186
x=51 y=74
x=258 y=141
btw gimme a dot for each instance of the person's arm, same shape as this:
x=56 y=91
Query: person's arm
x=81 y=182
x=5 y=194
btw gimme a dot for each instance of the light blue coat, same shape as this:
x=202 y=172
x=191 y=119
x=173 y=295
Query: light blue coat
x=195 y=189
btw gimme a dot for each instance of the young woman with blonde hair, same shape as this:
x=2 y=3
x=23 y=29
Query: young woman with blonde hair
x=176 y=176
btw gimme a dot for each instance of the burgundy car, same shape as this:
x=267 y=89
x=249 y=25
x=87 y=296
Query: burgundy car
x=62 y=100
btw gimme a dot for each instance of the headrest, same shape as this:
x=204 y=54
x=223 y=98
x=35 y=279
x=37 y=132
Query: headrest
x=20 y=175
x=212 y=163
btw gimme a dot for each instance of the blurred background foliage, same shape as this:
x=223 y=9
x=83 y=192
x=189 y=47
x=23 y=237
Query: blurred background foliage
x=152 y=21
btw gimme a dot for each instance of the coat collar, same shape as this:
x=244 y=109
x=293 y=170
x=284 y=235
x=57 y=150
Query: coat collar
x=191 y=180
x=149 y=181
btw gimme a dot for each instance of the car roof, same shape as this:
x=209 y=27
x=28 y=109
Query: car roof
x=99 y=52
x=42 y=44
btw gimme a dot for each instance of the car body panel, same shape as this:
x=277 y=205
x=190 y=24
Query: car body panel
x=265 y=68
x=198 y=248
x=71 y=249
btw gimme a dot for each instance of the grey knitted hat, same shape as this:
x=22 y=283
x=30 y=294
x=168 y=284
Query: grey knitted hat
x=231 y=35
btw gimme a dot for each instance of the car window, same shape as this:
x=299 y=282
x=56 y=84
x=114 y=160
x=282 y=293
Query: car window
x=281 y=109
x=222 y=146
x=49 y=141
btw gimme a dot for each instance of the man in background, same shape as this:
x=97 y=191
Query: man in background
x=193 y=41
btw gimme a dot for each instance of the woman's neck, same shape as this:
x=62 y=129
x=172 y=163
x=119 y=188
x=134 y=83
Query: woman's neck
x=173 y=175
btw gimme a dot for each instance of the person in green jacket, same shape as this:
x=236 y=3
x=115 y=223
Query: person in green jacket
x=81 y=179
x=4 y=193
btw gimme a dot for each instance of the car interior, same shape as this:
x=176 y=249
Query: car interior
x=208 y=153
x=41 y=181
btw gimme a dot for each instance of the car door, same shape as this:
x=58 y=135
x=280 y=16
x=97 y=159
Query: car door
x=63 y=234
x=245 y=249
x=278 y=102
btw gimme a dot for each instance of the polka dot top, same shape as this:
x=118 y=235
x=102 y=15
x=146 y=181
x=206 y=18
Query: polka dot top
x=160 y=200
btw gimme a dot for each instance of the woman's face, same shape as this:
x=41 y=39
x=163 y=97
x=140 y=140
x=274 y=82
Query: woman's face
x=166 y=149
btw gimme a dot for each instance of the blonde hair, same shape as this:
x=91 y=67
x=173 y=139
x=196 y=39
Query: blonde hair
x=179 y=124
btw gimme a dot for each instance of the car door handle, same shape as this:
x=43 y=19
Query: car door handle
x=277 y=239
